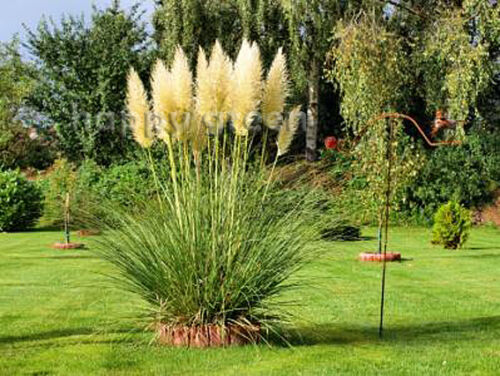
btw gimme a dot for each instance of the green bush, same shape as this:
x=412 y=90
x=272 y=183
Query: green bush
x=89 y=185
x=120 y=182
x=467 y=173
x=21 y=202
x=452 y=224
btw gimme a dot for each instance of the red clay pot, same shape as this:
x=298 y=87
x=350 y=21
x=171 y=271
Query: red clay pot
x=68 y=245
x=207 y=335
x=378 y=257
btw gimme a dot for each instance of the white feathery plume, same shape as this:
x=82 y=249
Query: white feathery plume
x=214 y=87
x=182 y=86
x=163 y=99
x=138 y=108
x=288 y=130
x=247 y=87
x=275 y=92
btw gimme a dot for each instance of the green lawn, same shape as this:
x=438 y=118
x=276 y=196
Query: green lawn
x=443 y=315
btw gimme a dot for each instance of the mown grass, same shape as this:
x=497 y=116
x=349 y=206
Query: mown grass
x=443 y=315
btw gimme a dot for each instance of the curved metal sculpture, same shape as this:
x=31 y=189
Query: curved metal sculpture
x=439 y=123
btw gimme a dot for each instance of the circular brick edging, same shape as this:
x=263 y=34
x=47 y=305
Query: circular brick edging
x=68 y=245
x=207 y=335
x=378 y=257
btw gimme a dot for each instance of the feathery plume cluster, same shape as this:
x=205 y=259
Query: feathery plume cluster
x=214 y=87
x=287 y=131
x=172 y=92
x=247 y=87
x=275 y=92
x=182 y=85
x=163 y=99
x=138 y=108
x=222 y=90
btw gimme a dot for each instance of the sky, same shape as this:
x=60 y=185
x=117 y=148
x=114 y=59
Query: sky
x=16 y=12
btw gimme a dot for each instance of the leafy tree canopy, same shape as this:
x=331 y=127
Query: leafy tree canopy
x=83 y=69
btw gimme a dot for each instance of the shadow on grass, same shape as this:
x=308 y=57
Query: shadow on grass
x=350 y=240
x=325 y=334
x=45 y=229
x=486 y=255
x=330 y=334
x=65 y=257
x=42 y=336
x=59 y=334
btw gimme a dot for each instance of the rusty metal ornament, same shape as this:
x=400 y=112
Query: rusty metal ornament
x=441 y=122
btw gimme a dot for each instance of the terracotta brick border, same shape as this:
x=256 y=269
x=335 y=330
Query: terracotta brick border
x=378 y=257
x=207 y=335
x=68 y=245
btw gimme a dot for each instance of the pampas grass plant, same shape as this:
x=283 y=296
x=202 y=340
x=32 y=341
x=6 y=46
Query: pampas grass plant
x=219 y=245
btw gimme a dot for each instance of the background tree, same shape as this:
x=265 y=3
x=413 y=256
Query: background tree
x=196 y=23
x=418 y=57
x=370 y=71
x=264 y=21
x=310 y=25
x=453 y=65
x=19 y=146
x=193 y=23
x=81 y=85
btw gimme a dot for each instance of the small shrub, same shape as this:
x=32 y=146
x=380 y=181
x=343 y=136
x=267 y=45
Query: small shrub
x=452 y=224
x=20 y=202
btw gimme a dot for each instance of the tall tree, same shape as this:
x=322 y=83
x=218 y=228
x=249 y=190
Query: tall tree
x=196 y=23
x=264 y=21
x=17 y=148
x=310 y=25
x=83 y=69
x=15 y=84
